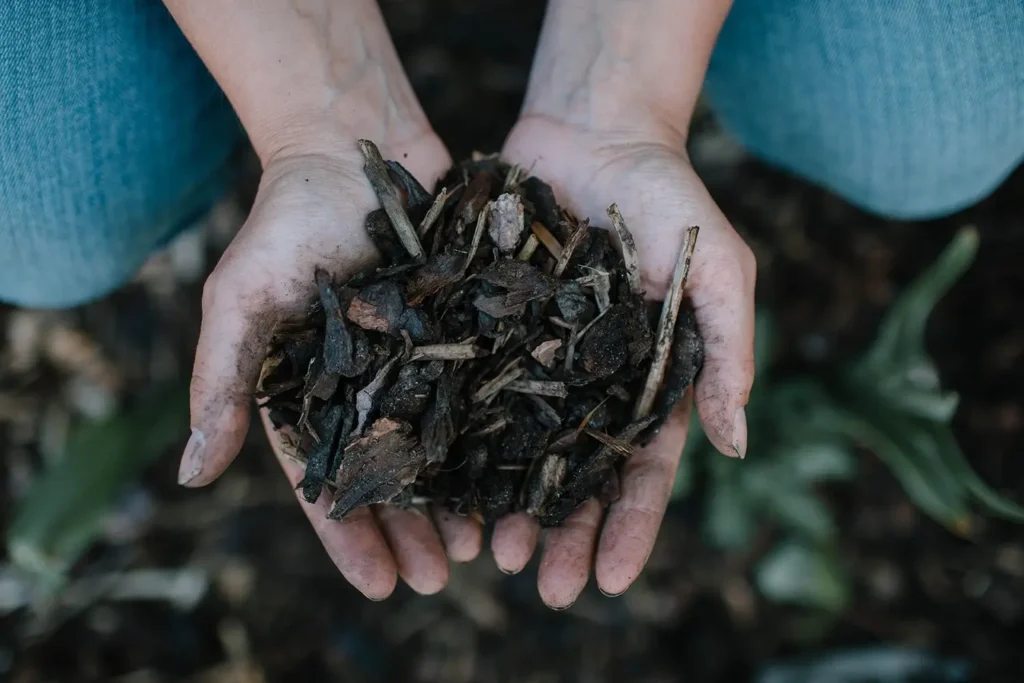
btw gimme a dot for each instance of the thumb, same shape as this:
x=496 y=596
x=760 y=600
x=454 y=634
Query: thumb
x=232 y=344
x=723 y=298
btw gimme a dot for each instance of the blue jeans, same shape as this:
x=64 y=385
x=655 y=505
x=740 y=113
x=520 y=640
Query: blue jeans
x=113 y=136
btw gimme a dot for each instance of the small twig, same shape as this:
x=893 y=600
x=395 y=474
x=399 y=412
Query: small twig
x=620 y=446
x=447 y=352
x=529 y=248
x=545 y=408
x=512 y=179
x=629 y=253
x=495 y=385
x=377 y=173
x=495 y=426
x=598 y=281
x=585 y=422
x=586 y=328
x=570 y=349
x=434 y=211
x=366 y=396
x=481 y=221
x=575 y=239
x=558 y=322
x=549 y=241
x=667 y=326
x=538 y=387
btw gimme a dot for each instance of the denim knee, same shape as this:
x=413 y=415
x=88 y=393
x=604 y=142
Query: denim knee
x=113 y=136
x=908 y=108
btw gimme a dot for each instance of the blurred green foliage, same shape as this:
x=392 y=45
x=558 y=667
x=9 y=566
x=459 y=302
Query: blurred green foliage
x=63 y=511
x=803 y=432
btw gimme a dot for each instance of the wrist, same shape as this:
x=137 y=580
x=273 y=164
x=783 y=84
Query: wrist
x=623 y=68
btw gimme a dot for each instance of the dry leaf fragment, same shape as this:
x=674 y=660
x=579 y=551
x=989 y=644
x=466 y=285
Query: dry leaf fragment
x=377 y=467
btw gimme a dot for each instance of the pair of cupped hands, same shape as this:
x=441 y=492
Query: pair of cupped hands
x=309 y=213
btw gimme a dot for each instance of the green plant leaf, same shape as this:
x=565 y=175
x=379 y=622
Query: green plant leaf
x=900 y=341
x=764 y=341
x=799 y=510
x=950 y=453
x=825 y=459
x=730 y=521
x=64 y=509
x=901 y=448
x=799 y=574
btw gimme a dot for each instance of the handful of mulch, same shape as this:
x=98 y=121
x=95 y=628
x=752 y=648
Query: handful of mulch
x=503 y=359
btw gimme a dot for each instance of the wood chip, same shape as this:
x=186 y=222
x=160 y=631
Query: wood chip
x=377 y=172
x=545 y=352
x=667 y=325
x=481 y=222
x=497 y=384
x=447 y=352
x=549 y=241
x=434 y=211
x=576 y=237
x=538 y=387
x=529 y=248
x=629 y=253
x=506 y=226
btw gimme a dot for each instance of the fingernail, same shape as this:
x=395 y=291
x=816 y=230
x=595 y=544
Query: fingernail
x=610 y=595
x=507 y=572
x=562 y=609
x=739 y=433
x=192 y=460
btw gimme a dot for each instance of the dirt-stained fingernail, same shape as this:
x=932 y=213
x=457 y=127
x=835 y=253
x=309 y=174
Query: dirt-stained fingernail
x=610 y=595
x=739 y=433
x=193 y=457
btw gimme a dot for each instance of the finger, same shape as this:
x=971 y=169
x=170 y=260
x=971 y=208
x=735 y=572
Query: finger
x=416 y=547
x=632 y=523
x=568 y=556
x=355 y=544
x=462 y=536
x=228 y=358
x=513 y=541
x=722 y=292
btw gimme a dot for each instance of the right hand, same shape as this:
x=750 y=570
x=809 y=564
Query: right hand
x=309 y=213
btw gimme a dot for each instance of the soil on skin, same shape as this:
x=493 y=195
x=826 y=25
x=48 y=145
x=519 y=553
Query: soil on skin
x=277 y=610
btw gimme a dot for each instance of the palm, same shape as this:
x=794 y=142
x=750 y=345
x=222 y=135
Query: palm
x=308 y=214
x=659 y=195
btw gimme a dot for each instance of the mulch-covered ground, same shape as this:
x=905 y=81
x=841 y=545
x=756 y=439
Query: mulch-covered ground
x=270 y=606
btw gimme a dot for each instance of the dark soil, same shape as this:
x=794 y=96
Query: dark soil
x=278 y=611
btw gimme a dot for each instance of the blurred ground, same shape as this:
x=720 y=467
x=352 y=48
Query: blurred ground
x=259 y=601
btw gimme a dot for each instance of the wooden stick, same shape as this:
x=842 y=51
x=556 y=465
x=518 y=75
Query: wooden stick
x=448 y=352
x=667 y=326
x=434 y=211
x=481 y=221
x=549 y=241
x=377 y=173
x=495 y=385
x=528 y=250
x=575 y=239
x=538 y=387
x=629 y=253
x=512 y=179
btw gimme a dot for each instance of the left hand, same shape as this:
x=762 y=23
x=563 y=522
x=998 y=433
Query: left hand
x=648 y=175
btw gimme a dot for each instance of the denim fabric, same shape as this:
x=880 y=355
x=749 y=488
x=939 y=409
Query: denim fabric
x=908 y=108
x=113 y=136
